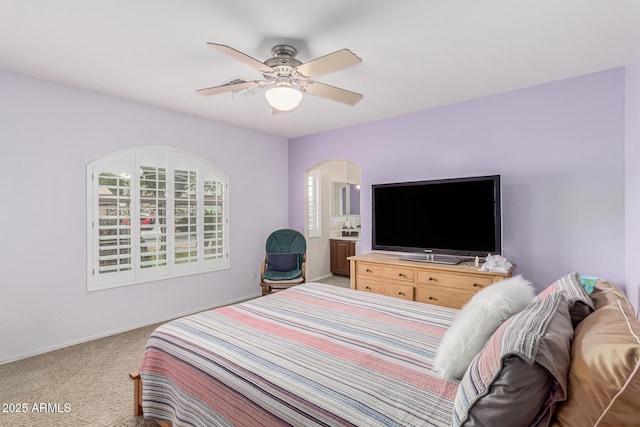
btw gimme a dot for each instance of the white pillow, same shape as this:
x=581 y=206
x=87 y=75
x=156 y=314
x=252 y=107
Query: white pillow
x=477 y=321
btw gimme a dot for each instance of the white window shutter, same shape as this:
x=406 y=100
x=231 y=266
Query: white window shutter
x=314 y=222
x=152 y=221
x=154 y=212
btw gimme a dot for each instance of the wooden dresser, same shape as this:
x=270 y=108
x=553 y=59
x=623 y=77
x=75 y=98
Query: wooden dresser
x=446 y=285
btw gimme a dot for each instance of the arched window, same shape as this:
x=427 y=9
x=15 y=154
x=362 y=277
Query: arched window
x=154 y=213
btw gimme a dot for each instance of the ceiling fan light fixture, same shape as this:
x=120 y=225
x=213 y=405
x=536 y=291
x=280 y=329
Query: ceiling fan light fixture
x=286 y=78
x=283 y=97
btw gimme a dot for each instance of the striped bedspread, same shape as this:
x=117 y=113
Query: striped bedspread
x=312 y=355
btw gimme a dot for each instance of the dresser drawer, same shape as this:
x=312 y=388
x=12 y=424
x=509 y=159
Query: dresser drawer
x=462 y=282
x=390 y=289
x=443 y=297
x=381 y=271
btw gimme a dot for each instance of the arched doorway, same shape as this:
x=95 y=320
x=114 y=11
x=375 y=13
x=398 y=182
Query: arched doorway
x=332 y=202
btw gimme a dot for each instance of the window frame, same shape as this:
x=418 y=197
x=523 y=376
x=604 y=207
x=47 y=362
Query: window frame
x=126 y=224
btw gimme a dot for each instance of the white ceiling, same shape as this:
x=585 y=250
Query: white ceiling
x=417 y=54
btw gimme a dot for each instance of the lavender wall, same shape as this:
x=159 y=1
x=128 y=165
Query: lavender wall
x=559 y=148
x=632 y=159
x=48 y=133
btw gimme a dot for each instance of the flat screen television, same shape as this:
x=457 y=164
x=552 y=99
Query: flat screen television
x=459 y=217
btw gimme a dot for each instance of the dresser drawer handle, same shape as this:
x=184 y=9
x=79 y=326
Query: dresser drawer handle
x=366 y=270
x=401 y=275
x=367 y=287
x=430 y=298
x=431 y=278
x=475 y=284
x=401 y=293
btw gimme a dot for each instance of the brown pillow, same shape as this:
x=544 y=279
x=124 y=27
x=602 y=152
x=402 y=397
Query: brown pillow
x=604 y=379
x=605 y=293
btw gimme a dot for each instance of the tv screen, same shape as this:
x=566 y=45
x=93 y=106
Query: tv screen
x=459 y=216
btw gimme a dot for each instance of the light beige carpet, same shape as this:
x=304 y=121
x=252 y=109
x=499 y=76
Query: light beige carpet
x=84 y=385
x=344 y=282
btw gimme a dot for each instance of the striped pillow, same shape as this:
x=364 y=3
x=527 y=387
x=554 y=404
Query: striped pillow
x=580 y=304
x=521 y=373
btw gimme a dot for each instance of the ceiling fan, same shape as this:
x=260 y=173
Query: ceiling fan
x=287 y=78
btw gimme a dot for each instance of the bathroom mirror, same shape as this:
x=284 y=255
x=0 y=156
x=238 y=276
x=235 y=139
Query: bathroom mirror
x=346 y=199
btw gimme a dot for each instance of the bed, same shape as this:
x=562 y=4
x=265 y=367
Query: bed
x=312 y=355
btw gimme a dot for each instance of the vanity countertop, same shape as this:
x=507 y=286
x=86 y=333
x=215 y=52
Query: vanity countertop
x=353 y=238
x=337 y=235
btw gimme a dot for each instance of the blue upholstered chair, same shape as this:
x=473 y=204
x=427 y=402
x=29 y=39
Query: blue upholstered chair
x=284 y=262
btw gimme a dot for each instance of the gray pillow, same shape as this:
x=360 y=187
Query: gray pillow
x=521 y=373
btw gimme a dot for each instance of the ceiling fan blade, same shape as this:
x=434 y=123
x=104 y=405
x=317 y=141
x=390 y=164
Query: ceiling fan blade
x=250 y=61
x=232 y=87
x=330 y=63
x=332 y=92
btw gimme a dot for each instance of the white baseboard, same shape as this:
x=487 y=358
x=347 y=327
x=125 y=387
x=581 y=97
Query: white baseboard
x=119 y=331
